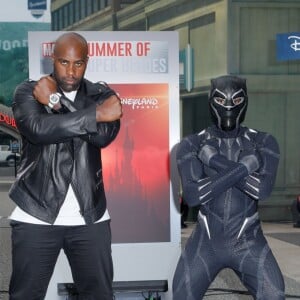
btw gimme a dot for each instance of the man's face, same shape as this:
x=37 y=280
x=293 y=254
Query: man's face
x=69 y=67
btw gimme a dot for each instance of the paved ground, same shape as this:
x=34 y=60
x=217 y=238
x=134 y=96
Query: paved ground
x=226 y=286
x=5 y=258
x=283 y=239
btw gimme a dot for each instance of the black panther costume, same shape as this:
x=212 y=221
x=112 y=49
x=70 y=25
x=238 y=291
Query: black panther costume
x=226 y=169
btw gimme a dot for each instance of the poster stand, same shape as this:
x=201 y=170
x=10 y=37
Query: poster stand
x=143 y=67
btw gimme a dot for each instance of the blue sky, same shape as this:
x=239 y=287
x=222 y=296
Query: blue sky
x=17 y=11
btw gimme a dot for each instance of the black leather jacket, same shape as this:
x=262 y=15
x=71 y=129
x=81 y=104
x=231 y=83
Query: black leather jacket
x=61 y=148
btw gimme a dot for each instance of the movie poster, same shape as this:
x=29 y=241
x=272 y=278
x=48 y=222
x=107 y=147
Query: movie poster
x=136 y=166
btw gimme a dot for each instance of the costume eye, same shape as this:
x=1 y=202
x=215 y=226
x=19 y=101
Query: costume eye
x=219 y=100
x=237 y=101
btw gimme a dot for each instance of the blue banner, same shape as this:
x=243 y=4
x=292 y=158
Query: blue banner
x=37 y=4
x=288 y=46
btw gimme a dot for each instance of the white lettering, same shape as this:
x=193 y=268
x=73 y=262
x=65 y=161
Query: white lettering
x=7 y=45
x=296 y=44
x=144 y=102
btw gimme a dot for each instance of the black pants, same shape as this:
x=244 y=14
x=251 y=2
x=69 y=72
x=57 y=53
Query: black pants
x=35 y=249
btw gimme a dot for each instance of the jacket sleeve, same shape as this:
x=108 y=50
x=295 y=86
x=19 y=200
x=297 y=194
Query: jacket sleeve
x=106 y=131
x=198 y=187
x=41 y=127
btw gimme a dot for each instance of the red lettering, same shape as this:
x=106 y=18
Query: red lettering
x=47 y=49
x=8 y=120
x=13 y=123
x=142 y=49
x=109 y=49
x=100 y=49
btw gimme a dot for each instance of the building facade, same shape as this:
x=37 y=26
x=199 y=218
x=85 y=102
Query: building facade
x=227 y=37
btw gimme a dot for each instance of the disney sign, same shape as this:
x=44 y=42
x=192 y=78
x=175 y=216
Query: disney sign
x=288 y=46
x=295 y=45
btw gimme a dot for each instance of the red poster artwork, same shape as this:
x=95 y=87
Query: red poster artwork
x=136 y=166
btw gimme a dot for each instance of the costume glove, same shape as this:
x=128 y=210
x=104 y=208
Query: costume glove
x=251 y=159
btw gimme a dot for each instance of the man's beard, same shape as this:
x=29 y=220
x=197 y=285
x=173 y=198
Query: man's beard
x=67 y=87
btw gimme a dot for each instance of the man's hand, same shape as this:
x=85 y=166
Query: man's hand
x=109 y=110
x=43 y=88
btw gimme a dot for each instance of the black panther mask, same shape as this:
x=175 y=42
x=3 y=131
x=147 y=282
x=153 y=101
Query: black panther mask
x=228 y=101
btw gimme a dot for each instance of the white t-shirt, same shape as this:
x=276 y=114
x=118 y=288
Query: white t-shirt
x=69 y=214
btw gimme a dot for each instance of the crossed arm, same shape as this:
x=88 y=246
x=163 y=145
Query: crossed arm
x=253 y=174
x=97 y=123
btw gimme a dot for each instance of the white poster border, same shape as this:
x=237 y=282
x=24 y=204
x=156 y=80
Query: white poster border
x=133 y=261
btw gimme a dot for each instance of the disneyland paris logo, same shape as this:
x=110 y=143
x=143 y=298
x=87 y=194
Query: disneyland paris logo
x=296 y=42
x=141 y=103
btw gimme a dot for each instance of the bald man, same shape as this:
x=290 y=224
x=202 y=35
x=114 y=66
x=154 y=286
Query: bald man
x=64 y=121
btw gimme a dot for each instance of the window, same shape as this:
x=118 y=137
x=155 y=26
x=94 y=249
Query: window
x=89 y=7
x=65 y=21
x=54 y=21
x=83 y=8
x=71 y=13
x=76 y=10
x=60 y=19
